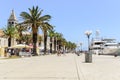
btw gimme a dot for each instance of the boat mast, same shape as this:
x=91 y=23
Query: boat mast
x=97 y=34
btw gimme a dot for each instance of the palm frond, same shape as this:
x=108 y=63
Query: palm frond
x=26 y=16
x=45 y=18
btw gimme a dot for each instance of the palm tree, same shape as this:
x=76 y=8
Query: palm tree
x=20 y=28
x=63 y=43
x=55 y=42
x=45 y=28
x=71 y=46
x=35 y=20
x=56 y=36
x=10 y=32
x=27 y=38
x=59 y=37
x=51 y=35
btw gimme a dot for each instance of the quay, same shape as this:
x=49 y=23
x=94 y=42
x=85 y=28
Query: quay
x=64 y=67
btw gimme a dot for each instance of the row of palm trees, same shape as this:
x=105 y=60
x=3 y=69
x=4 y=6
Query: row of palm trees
x=34 y=21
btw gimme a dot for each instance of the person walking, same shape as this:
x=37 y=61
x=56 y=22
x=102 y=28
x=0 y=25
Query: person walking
x=59 y=52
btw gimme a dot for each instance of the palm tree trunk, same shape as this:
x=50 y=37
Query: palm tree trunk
x=9 y=42
x=58 y=46
x=45 y=42
x=50 y=44
x=55 y=44
x=20 y=40
x=34 y=43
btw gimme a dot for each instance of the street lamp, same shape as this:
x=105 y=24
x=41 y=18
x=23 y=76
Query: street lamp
x=88 y=55
x=77 y=49
x=81 y=47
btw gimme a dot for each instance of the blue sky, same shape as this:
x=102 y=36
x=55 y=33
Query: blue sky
x=72 y=17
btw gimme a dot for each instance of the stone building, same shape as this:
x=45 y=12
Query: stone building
x=3 y=43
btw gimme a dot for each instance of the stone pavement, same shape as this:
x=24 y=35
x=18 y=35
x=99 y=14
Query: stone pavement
x=102 y=68
x=53 y=67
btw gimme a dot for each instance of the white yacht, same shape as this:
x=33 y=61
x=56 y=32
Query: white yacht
x=104 y=46
x=110 y=46
x=97 y=46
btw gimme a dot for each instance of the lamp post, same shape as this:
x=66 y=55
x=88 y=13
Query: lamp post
x=88 y=55
x=78 y=50
x=81 y=47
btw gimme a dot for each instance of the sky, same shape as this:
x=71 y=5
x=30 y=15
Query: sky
x=72 y=17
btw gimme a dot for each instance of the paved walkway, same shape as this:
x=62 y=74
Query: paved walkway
x=53 y=67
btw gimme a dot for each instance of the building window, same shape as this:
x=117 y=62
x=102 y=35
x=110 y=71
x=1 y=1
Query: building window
x=12 y=22
x=9 y=22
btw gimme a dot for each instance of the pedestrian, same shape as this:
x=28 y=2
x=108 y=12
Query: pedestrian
x=9 y=51
x=58 y=52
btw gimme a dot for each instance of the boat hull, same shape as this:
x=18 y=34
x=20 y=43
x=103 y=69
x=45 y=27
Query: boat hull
x=109 y=51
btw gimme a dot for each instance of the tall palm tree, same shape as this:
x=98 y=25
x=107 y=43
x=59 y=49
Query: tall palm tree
x=56 y=38
x=63 y=43
x=59 y=37
x=45 y=28
x=10 y=32
x=34 y=19
x=51 y=35
x=55 y=42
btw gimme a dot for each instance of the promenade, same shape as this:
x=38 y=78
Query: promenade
x=53 y=67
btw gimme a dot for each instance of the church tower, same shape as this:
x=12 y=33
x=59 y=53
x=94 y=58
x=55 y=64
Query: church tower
x=12 y=19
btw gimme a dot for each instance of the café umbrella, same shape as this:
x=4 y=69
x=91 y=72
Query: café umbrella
x=21 y=46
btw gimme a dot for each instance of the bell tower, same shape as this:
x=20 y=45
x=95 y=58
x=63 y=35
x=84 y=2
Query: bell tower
x=12 y=19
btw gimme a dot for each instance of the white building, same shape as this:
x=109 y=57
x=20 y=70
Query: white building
x=3 y=43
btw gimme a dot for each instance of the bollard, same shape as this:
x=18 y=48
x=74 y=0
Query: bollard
x=88 y=57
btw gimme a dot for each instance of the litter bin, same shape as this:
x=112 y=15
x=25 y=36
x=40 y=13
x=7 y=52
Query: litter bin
x=88 y=57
